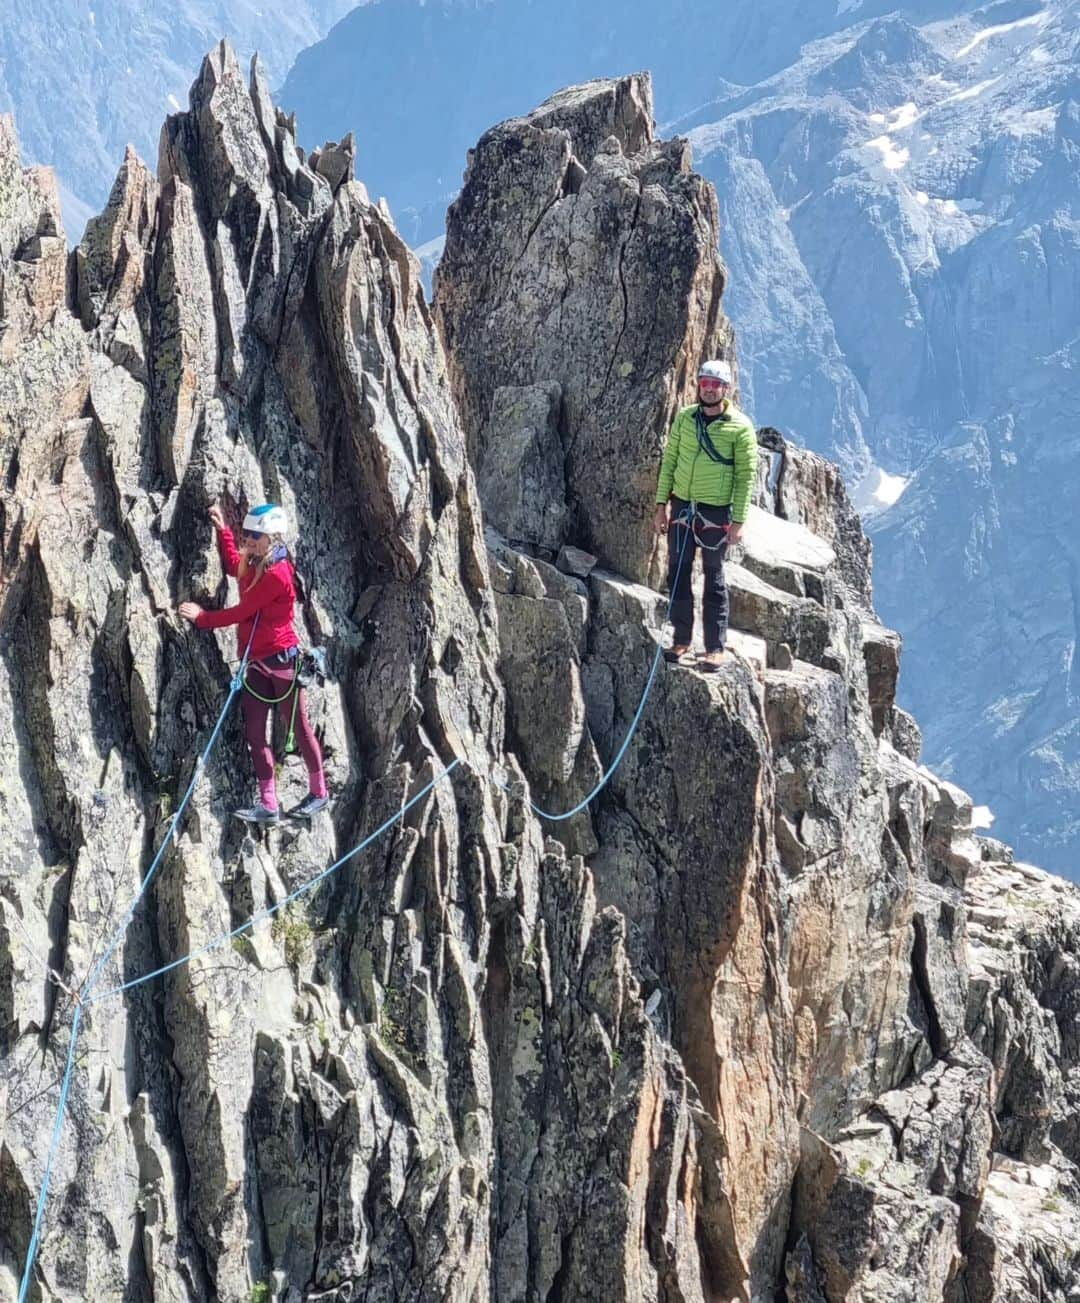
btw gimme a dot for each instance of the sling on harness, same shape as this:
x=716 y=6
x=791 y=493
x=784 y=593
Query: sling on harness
x=705 y=443
x=309 y=667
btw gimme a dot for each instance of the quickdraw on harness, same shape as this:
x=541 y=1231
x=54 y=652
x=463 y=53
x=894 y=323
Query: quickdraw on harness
x=308 y=667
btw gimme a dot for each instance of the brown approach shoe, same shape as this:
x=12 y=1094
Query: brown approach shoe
x=678 y=655
x=712 y=662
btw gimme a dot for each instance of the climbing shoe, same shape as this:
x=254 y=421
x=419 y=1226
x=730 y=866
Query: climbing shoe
x=258 y=813
x=678 y=655
x=309 y=806
x=706 y=666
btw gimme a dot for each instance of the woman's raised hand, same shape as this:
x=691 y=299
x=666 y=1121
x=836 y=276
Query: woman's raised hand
x=190 y=610
x=216 y=518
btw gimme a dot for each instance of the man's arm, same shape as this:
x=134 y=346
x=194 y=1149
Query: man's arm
x=667 y=465
x=745 y=450
x=667 y=478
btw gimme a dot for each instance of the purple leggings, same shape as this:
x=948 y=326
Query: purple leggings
x=274 y=681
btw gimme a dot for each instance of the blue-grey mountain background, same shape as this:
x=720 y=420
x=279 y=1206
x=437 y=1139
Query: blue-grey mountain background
x=898 y=187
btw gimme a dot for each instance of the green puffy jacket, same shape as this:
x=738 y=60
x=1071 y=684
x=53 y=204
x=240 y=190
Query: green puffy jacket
x=690 y=473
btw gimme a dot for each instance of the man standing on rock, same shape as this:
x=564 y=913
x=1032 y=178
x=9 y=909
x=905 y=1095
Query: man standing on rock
x=707 y=477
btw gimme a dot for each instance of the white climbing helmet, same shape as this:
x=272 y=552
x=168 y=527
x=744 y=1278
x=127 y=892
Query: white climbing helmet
x=267 y=519
x=717 y=369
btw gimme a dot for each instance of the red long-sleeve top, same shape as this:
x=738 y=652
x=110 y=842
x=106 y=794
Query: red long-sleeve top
x=272 y=598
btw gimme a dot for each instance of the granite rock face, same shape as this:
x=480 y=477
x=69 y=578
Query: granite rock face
x=328 y=1105
x=581 y=252
x=766 y=1014
x=805 y=905
x=520 y=476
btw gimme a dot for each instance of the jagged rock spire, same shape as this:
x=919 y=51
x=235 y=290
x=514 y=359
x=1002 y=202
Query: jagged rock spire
x=583 y=252
x=319 y=1105
x=787 y=1029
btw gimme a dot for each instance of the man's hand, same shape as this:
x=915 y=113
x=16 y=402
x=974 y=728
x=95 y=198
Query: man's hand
x=660 y=519
x=190 y=610
x=216 y=518
x=734 y=531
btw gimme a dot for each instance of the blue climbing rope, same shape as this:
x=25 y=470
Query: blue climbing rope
x=89 y=996
x=87 y=988
x=95 y=998
x=686 y=520
x=270 y=910
x=200 y=764
x=54 y=1144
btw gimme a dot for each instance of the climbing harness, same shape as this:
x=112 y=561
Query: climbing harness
x=694 y=520
x=88 y=995
x=293 y=690
x=310 y=666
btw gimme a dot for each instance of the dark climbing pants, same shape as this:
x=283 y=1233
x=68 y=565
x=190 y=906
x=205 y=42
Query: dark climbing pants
x=274 y=680
x=681 y=539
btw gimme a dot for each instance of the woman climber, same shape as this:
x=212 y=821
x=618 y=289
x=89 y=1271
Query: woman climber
x=267 y=591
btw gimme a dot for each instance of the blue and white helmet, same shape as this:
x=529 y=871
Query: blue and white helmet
x=267 y=519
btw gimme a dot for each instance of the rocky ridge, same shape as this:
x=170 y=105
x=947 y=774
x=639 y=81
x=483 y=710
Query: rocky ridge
x=897 y=188
x=769 y=1017
x=900 y=206
x=83 y=80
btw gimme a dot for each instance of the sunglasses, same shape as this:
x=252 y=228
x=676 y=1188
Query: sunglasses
x=253 y=535
x=714 y=384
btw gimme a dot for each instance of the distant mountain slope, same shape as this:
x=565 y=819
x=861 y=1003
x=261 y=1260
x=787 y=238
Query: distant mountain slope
x=762 y=38
x=927 y=179
x=899 y=196
x=85 y=77
x=419 y=82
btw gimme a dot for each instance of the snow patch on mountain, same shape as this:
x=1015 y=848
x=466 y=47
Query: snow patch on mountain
x=878 y=490
x=429 y=254
x=894 y=157
x=982 y=817
x=988 y=33
x=904 y=116
x=970 y=92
